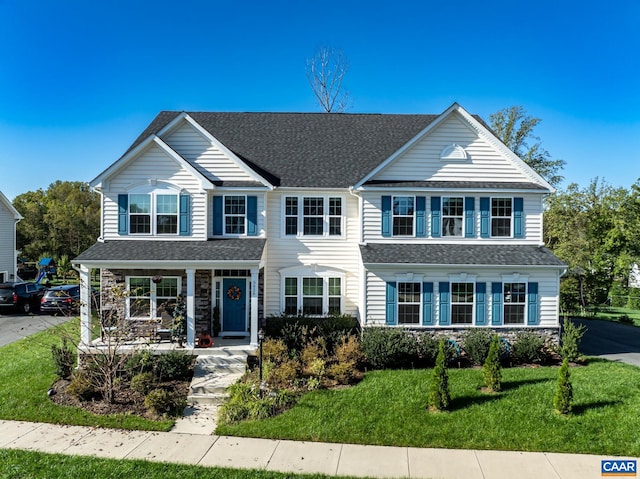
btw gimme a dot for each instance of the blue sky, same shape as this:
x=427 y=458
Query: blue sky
x=79 y=80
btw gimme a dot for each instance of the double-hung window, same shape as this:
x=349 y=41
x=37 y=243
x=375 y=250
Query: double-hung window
x=452 y=216
x=235 y=214
x=515 y=300
x=148 y=299
x=403 y=210
x=462 y=303
x=409 y=303
x=501 y=216
x=313 y=216
x=313 y=296
x=153 y=213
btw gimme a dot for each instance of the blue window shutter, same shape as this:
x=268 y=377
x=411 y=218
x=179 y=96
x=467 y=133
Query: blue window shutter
x=427 y=304
x=421 y=220
x=435 y=216
x=481 y=304
x=469 y=217
x=391 y=303
x=386 y=216
x=123 y=214
x=252 y=216
x=185 y=215
x=533 y=315
x=218 y=217
x=444 y=303
x=496 y=304
x=518 y=218
x=484 y=217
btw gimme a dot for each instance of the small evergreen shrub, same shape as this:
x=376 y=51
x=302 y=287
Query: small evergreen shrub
x=389 y=348
x=427 y=350
x=563 y=399
x=175 y=365
x=140 y=362
x=528 y=348
x=570 y=340
x=159 y=402
x=81 y=386
x=64 y=359
x=344 y=372
x=439 y=395
x=350 y=350
x=491 y=370
x=285 y=374
x=143 y=383
x=476 y=344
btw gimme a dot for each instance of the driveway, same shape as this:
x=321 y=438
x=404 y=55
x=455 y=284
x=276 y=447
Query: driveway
x=614 y=341
x=17 y=326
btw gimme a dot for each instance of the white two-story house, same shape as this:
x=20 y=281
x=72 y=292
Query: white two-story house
x=420 y=221
x=9 y=218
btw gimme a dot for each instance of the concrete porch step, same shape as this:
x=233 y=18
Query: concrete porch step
x=213 y=375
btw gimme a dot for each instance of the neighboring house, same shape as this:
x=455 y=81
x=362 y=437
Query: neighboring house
x=9 y=217
x=421 y=221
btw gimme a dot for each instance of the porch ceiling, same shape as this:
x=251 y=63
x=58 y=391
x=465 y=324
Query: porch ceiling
x=240 y=250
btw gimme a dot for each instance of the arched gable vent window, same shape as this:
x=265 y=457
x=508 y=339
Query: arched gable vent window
x=453 y=152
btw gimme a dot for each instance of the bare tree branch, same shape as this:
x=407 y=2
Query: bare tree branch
x=325 y=73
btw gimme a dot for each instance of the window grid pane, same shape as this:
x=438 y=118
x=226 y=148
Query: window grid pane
x=462 y=299
x=234 y=210
x=313 y=213
x=291 y=215
x=514 y=302
x=452 y=216
x=409 y=303
x=403 y=215
x=335 y=216
x=501 y=217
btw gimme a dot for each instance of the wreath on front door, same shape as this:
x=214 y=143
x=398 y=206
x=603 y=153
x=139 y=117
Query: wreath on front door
x=234 y=293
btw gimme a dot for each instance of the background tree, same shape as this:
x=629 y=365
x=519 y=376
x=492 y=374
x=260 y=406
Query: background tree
x=325 y=72
x=515 y=128
x=63 y=220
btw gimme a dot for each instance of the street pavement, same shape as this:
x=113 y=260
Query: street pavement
x=17 y=326
x=610 y=340
x=296 y=456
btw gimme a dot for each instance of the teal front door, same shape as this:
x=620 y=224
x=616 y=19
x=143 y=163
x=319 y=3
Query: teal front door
x=234 y=305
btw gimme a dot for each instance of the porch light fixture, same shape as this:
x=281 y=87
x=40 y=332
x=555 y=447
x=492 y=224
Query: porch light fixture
x=260 y=341
x=156 y=279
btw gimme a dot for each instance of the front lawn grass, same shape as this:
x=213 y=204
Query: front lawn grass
x=27 y=372
x=389 y=408
x=614 y=314
x=16 y=464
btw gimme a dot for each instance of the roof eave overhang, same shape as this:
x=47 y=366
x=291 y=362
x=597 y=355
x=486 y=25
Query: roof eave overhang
x=446 y=189
x=465 y=265
x=167 y=264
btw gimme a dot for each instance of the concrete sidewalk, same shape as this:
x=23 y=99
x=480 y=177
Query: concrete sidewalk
x=294 y=456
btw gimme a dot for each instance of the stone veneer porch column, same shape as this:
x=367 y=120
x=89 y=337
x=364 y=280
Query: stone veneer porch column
x=254 y=307
x=191 y=316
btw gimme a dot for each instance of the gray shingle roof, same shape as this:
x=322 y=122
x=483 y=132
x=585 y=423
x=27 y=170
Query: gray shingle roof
x=457 y=184
x=148 y=250
x=458 y=254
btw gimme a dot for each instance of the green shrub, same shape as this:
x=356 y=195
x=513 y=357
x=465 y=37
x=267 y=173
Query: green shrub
x=158 y=402
x=570 y=340
x=344 y=372
x=625 y=319
x=245 y=404
x=284 y=375
x=491 y=371
x=175 y=365
x=439 y=395
x=274 y=350
x=476 y=344
x=140 y=362
x=81 y=386
x=143 y=383
x=427 y=349
x=317 y=368
x=618 y=294
x=315 y=349
x=349 y=350
x=563 y=399
x=634 y=298
x=64 y=359
x=297 y=330
x=528 y=348
x=389 y=348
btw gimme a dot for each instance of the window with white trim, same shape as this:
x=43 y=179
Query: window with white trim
x=313 y=216
x=403 y=212
x=452 y=216
x=515 y=300
x=409 y=303
x=148 y=299
x=501 y=216
x=235 y=214
x=313 y=296
x=462 y=302
x=151 y=213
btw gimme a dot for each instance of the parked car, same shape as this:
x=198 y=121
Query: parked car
x=64 y=299
x=22 y=297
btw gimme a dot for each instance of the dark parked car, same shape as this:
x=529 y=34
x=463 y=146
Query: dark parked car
x=22 y=297
x=64 y=299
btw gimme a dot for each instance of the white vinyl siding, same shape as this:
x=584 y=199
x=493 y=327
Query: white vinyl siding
x=324 y=255
x=547 y=291
x=423 y=161
x=532 y=215
x=7 y=241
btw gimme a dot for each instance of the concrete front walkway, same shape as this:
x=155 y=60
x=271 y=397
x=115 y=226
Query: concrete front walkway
x=297 y=457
